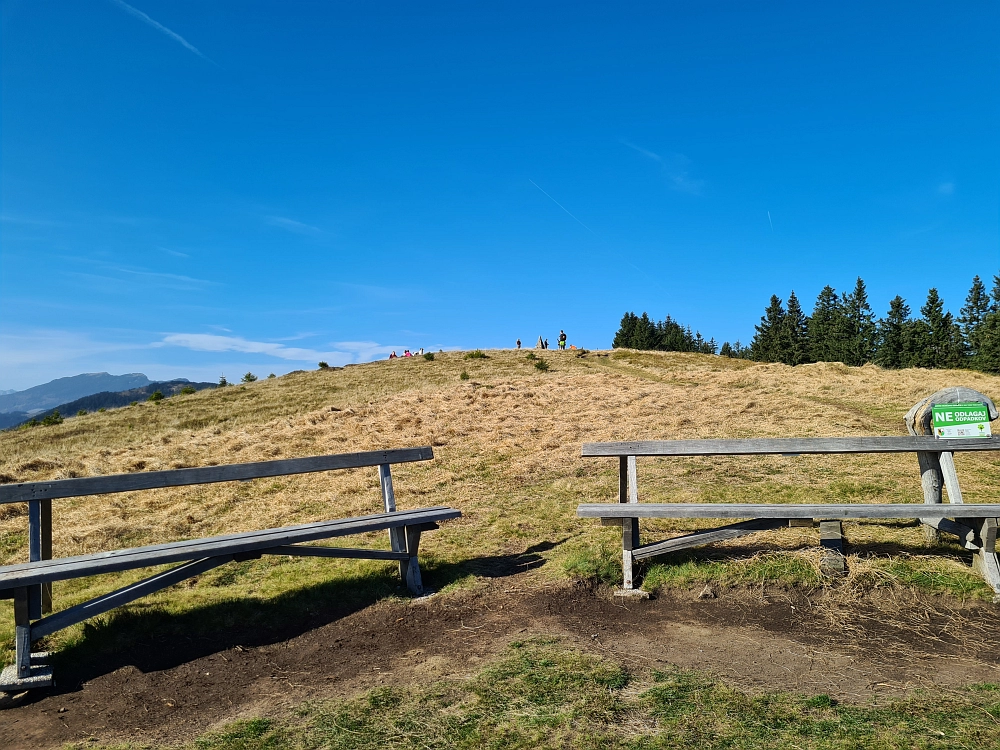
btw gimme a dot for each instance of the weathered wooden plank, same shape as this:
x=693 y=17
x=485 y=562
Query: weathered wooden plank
x=931 y=482
x=707 y=536
x=753 y=510
x=22 y=633
x=950 y=477
x=778 y=446
x=160 y=554
x=46 y=544
x=24 y=491
x=413 y=580
x=102 y=604
x=343 y=552
x=397 y=540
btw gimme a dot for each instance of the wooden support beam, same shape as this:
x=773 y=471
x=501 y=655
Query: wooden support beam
x=22 y=633
x=707 y=536
x=931 y=482
x=779 y=510
x=46 y=549
x=950 y=476
x=102 y=604
x=341 y=552
x=965 y=533
x=397 y=537
x=628 y=494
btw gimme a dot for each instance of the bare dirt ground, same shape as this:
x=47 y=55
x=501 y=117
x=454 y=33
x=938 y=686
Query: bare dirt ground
x=757 y=640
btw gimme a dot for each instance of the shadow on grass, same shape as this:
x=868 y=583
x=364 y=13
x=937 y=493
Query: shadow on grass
x=153 y=639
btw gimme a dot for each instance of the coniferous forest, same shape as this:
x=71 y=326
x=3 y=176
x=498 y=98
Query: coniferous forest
x=844 y=328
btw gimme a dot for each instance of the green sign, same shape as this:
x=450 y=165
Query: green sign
x=961 y=421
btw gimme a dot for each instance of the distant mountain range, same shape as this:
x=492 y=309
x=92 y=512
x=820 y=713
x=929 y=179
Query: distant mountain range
x=103 y=400
x=63 y=390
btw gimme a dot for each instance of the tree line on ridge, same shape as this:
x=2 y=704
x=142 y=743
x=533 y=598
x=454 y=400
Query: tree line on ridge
x=843 y=328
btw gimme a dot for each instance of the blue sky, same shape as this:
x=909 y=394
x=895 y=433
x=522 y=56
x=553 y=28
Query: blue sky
x=198 y=188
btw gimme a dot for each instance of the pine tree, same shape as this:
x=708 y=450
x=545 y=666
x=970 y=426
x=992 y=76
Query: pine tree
x=995 y=295
x=858 y=327
x=977 y=307
x=626 y=332
x=988 y=357
x=767 y=342
x=726 y=350
x=825 y=327
x=945 y=335
x=644 y=336
x=795 y=334
x=890 y=352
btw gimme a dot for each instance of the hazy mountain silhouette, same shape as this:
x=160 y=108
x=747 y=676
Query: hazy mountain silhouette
x=63 y=390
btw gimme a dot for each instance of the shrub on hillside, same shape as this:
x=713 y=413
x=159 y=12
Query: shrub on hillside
x=187 y=390
x=429 y=356
x=272 y=375
x=155 y=396
x=531 y=356
x=323 y=365
x=81 y=413
x=249 y=378
x=541 y=365
x=464 y=375
x=476 y=354
x=54 y=418
x=222 y=381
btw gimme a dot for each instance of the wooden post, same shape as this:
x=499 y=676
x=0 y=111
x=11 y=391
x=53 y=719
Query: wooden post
x=34 y=555
x=987 y=562
x=947 y=460
x=22 y=632
x=397 y=537
x=46 y=550
x=413 y=580
x=628 y=493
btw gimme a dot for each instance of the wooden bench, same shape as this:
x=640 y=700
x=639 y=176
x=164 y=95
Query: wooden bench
x=974 y=525
x=29 y=584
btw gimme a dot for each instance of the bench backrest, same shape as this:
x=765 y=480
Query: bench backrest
x=789 y=446
x=26 y=491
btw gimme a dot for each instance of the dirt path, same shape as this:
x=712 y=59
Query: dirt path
x=758 y=641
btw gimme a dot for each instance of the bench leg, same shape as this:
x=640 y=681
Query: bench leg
x=22 y=632
x=931 y=481
x=397 y=538
x=412 y=568
x=831 y=540
x=987 y=562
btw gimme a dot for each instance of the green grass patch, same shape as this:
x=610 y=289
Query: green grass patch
x=601 y=564
x=543 y=695
x=774 y=568
x=476 y=354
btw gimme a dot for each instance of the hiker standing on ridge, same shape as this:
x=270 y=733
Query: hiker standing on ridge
x=519 y=343
x=562 y=339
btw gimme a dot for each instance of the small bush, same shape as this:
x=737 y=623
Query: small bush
x=531 y=357
x=541 y=365
x=54 y=418
x=134 y=403
x=187 y=390
x=464 y=375
x=272 y=375
x=155 y=396
x=476 y=354
x=32 y=423
x=81 y=413
x=249 y=378
x=323 y=365
x=429 y=356
x=102 y=409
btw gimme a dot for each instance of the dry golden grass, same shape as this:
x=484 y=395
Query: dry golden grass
x=507 y=444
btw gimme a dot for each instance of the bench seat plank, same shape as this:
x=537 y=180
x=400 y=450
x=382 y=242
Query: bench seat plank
x=761 y=510
x=24 y=574
x=780 y=446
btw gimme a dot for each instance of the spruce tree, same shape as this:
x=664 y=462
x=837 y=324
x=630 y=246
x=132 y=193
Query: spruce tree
x=795 y=333
x=626 y=332
x=825 y=326
x=988 y=357
x=995 y=295
x=945 y=335
x=890 y=352
x=977 y=307
x=767 y=342
x=858 y=327
x=644 y=335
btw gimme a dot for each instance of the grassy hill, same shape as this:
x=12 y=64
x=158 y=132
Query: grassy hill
x=507 y=443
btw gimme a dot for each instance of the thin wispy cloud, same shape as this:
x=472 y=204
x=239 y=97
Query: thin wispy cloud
x=136 y=13
x=675 y=166
x=210 y=342
x=297 y=227
x=562 y=207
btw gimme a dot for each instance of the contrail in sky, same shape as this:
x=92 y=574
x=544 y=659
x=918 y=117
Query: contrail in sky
x=563 y=208
x=770 y=222
x=159 y=27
